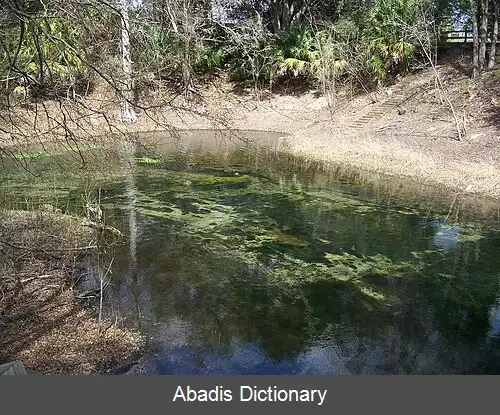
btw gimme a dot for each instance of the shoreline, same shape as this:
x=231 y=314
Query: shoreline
x=418 y=144
x=382 y=167
x=44 y=322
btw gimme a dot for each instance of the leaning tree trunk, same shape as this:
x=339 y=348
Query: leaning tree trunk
x=494 y=37
x=126 y=112
x=483 y=33
x=475 y=31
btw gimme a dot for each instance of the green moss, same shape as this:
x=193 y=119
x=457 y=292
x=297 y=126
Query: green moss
x=290 y=240
x=87 y=147
x=470 y=232
x=32 y=155
x=147 y=160
x=470 y=238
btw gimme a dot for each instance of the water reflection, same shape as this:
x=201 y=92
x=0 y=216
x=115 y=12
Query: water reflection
x=494 y=332
x=248 y=273
x=241 y=260
x=447 y=236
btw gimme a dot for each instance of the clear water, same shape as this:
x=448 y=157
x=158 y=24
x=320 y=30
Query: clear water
x=239 y=260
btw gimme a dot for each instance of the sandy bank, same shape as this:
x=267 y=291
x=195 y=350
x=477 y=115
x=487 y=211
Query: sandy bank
x=406 y=131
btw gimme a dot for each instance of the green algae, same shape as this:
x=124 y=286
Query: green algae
x=147 y=160
x=33 y=155
x=245 y=252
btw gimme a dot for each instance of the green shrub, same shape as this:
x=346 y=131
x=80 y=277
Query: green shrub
x=48 y=51
x=392 y=31
x=212 y=58
x=295 y=52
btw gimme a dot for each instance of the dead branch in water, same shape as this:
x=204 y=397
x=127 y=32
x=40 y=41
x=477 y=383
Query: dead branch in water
x=101 y=227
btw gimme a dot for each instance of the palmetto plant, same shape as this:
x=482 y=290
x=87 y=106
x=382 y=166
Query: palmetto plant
x=210 y=58
x=296 y=52
x=391 y=44
x=46 y=51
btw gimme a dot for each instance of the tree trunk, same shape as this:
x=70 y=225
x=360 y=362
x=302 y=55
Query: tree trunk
x=494 y=37
x=283 y=13
x=274 y=13
x=126 y=112
x=189 y=38
x=475 y=31
x=483 y=33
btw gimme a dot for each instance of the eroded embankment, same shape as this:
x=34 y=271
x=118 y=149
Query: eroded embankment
x=392 y=158
x=407 y=130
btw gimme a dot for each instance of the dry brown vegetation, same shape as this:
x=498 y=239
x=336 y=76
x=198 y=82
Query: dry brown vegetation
x=406 y=130
x=42 y=322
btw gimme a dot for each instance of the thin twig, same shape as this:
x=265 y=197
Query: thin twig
x=101 y=292
x=33 y=248
x=36 y=277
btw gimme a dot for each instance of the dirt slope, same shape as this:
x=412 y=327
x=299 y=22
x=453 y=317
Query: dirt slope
x=410 y=130
x=407 y=130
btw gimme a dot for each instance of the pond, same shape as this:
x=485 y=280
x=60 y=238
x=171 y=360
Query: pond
x=239 y=259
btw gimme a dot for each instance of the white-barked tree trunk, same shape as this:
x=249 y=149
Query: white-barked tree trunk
x=126 y=111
